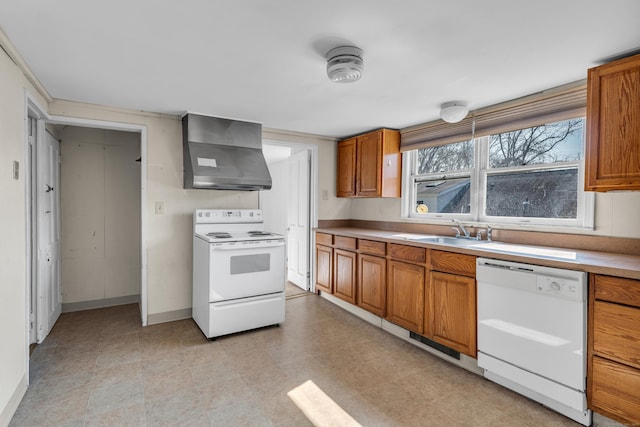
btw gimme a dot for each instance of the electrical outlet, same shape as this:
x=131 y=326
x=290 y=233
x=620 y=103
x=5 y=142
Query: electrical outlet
x=159 y=208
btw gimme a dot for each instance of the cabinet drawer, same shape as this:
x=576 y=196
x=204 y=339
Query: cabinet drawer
x=408 y=253
x=616 y=332
x=615 y=391
x=372 y=247
x=450 y=262
x=617 y=289
x=345 y=242
x=324 y=239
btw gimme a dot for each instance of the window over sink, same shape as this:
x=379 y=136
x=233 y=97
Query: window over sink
x=531 y=175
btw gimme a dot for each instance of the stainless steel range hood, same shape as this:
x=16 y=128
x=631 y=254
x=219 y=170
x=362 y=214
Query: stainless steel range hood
x=222 y=154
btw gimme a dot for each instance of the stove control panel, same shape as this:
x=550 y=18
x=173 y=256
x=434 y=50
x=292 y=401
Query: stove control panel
x=221 y=216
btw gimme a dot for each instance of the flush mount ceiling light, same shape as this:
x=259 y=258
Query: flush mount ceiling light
x=344 y=64
x=454 y=111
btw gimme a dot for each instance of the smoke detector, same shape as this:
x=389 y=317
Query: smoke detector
x=344 y=64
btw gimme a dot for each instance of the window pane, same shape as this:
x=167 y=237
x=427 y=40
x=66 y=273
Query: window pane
x=555 y=142
x=443 y=196
x=539 y=194
x=445 y=158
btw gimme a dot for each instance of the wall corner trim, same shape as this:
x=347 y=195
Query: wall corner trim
x=17 y=59
x=12 y=405
x=168 y=316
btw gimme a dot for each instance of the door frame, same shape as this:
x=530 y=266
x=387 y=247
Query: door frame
x=142 y=130
x=34 y=109
x=313 y=194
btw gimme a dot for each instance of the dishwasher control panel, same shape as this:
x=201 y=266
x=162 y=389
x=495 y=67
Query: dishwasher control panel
x=560 y=287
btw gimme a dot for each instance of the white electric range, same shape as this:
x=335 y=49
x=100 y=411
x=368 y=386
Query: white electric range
x=238 y=272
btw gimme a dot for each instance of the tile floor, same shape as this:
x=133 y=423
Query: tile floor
x=100 y=368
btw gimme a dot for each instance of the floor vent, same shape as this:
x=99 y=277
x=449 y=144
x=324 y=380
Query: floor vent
x=437 y=346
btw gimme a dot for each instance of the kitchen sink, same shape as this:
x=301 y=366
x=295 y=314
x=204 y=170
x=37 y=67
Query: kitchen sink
x=446 y=240
x=455 y=241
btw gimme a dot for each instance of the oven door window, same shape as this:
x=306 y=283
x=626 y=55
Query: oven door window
x=240 y=272
x=244 y=264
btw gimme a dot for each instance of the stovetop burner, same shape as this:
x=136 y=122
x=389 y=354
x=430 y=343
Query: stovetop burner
x=259 y=233
x=219 y=235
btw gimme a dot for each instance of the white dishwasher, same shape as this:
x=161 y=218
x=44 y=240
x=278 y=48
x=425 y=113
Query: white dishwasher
x=532 y=332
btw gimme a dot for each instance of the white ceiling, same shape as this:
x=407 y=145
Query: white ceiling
x=263 y=61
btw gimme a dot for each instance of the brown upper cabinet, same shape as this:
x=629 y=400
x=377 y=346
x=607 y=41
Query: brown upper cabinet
x=612 y=158
x=369 y=165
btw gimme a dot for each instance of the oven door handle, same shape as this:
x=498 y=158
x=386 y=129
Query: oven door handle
x=239 y=248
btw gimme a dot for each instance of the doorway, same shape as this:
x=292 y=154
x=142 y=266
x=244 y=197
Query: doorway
x=100 y=221
x=288 y=207
x=38 y=121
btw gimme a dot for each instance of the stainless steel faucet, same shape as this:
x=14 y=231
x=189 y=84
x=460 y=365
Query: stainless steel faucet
x=461 y=226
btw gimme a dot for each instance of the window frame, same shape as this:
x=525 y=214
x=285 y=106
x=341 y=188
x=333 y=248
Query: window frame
x=585 y=211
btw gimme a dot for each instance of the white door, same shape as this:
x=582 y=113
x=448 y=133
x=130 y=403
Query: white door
x=48 y=303
x=298 y=236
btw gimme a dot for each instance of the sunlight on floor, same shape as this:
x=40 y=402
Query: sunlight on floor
x=319 y=408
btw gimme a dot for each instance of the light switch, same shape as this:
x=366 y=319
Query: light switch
x=325 y=195
x=159 y=208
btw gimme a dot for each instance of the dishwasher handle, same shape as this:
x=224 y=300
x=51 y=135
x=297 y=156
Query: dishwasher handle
x=550 y=282
x=525 y=269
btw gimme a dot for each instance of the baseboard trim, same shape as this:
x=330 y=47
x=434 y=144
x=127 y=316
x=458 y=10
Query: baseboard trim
x=355 y=310
x=168 y=316
x=12 y=405
x=465 y=362
x=99 y=303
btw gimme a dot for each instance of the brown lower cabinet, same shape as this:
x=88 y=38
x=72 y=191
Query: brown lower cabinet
x=372 y=284
x=450 y=317
x=324 y=268
x=613 y=377
x=405 y=295
x=344 y=279
x=614 y=390
x=450 y=301
x=433 y=295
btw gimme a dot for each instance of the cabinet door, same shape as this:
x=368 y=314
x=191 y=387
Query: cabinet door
x=616 y=332
x=613 y=126
x=372 y=281
x=324 y=263
x=615 y=391
x=369 y=165
x=346 y=173
x=450 y=317
x=344 y=279
x=405 y=295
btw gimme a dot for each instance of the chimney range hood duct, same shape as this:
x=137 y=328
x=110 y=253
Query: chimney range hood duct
x=221 y=154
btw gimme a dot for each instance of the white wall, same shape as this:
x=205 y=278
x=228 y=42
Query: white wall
x=100 y=214
x=169 y=244
x=275 y=202
x=332 y=207
x=169 y=241
x=13 y=278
